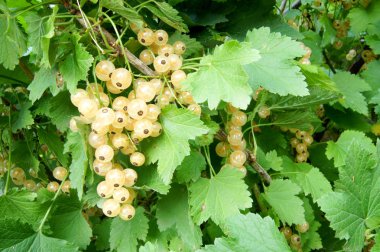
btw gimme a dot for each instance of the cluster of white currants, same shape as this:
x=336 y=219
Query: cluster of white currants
x=234 y=148
x=300 y=143
x=305 y=60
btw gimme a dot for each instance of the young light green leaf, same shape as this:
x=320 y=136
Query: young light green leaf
x=317 y=77
x=168 y=15
x=16 y=236
x=351 y=87
x=191 y=167
x=173 y=211
x=355 y=205
x=128 y=13
x=374 y=43
x=250 y=232
x=12 y=41
x=23 y=118
x=372 y=77
x=282 y=196
x=76 y=145
x=169 y=149
x=309 y=178
x=125 y=234
x=276 y=71
x=192 y=45
x=219 y=197
x=44 y=78
x=221 y=76
x=40 y=30
x=76 y=65
x=339 y=149
x=68 y=223
x=365 y=19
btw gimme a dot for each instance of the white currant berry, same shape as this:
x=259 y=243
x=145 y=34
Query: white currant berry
x=115 y=177
x=66 y=186
x=101 y=168
x=137 y=109
x=104 y=100
x=137 y=159
x=143 y=128
x=73 y=125
x=221 y=149
x=157 y=85
x=235 y=137
x=120 y=141
x=239 y=118
x=130 y=177
x=129 y=123
x=120 y=120
x=120 y=194
x=153 y=111
x=127 y=212
x=17 y=176
x=104 y=69
x=241 y=146
x=176 y=78
x=104 y=153
x=161 y=64
x=175 y=62
x=146 y=92
x=165 y=50
x=156 y=129
x=60 y=173
x=112 y=89
x=146 y=36
x=77 y=96
x=160 y=37
x=121 y=78
x=263 y=112
x=96 y=140
x=52 y=186
x=88 y=108
x=94 y=89
x=237 y=158
x=179 y=47
x=99 y=127
x=120 y=103
x=111 y=208
x=146 y=56
x=105 y=115
x=30 y=185
x=195 y=108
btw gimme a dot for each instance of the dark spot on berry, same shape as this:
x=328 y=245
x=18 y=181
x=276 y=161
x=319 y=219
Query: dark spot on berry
x=102 y=158
x=96 y=169
x=116 y=185
x=166 y=54
x=135 y=180
x=103 y=195
x=183 y=48
x=160 y=131
x=105 y=110
x=134 y=163
x=146 y=131
x=163 y=62
x=140 y=113
x=109 y=212
x=142 y=40
x=125 y=108
x=121 y=147
x=122 y=198
x=160 y=38
x=129 y=216
x=119 y=84
x=120 y=120
x=110 y=75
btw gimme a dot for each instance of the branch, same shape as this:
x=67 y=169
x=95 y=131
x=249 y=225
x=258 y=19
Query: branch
x=26 y=69
x=294 y=5
x=328 y=62
x=258 y=168
x=133 y=60
x=282 y=6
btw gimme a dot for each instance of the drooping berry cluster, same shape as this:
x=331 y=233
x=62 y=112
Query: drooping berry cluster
x=300 y=144
x=294 y=239
x=234 y=148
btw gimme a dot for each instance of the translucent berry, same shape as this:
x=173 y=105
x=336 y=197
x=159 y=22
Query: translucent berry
x=120 y=141
x=146 y=92
x=127 y=212
x=101 y=168
x=18 y=176
x=160 y=37
x=130 y=177
x=52 y=186
x=120 y=194
x=100 y=127
x=104 y=189
x=120 y=120
x=78 y=96
x=137 y=159
x=111 y=208
x=153 y=112
x=146 y=56
x=157 y=85
x=146 y=36
x=264 y=112
x=137 y=109
x=165 y=50
x=60 y=173
x=235 y=137
x=156 y=129
x=239 y=118
x=176 y=78
x=301 y=148
x=66 y=186
x=221 y=149
x=120 y=103
x=175 y=62
x=104 y=153
x=115 y=177
x=287 y=232
x=143 y=128
x=112 y=89
x=105 y=116
x=179 y=47
x=30 y=185
x=238 y=158
x=195 y=108
x=121 y=78
x=303 y=228
x=104 y=69
x=161 y=64
x=88 y=107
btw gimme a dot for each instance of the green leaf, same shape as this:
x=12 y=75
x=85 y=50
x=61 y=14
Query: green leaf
x=152 y=247
x=16 y=236
x=168 y=15
x=23 y=155
x=339 y=149
x=76 y=145
x=351 y=87
x=40 y=30
x=355 y=205
x=54 y=143
x=68 y=223
x=23 y=118
x=149 y=179
x=374 y=43
x=276 y=70
x=173 y=211
x=172 y=146
x=102 y=232
x=61 y=115
x=365 y=19
x=125 y=234
x=372 y=77
x=281 y=195
x=12 y=41
x=309 y=178
x=311 y=240
x=250 y=232
x=76 y=65
x=191 y=167
x=127 y=13
x=43 y=79
x=300 y=119
x=317 y=77
x=219 y=197
x=221 y=76
x=192 y=45
x=21 y=206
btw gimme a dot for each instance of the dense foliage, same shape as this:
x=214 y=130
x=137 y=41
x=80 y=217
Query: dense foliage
x=252 y=127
